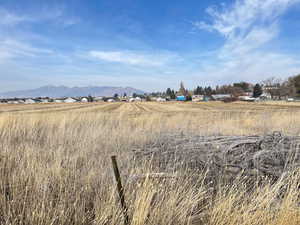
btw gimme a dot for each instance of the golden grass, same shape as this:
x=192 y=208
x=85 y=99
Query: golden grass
x=55 y=164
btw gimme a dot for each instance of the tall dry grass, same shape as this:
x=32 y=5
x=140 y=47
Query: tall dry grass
x=55 y=167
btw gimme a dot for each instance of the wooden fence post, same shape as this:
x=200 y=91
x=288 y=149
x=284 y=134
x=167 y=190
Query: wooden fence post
x=120 y=189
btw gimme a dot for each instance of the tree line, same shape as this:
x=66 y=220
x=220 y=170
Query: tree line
x=275 y=87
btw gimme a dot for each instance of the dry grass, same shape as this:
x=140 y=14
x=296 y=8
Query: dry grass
x=55 y=166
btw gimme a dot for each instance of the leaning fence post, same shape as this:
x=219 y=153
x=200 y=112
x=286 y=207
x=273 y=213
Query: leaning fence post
x=120 y=189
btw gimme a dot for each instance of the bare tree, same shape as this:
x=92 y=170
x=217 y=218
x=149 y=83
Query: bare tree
x=276 y=87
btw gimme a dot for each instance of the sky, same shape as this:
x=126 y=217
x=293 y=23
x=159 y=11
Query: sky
x=150 y=45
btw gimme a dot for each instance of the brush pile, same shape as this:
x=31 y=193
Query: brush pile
x=227 y=156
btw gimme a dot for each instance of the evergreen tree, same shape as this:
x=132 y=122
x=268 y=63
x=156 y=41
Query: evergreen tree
x=296 y=81
x=199 y=91
x=90 y=98
x=196 y=90
x=173 y=95
x=208 y=91
x=169 y=92
x=257 y=91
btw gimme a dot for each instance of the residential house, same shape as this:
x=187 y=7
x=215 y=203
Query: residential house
x=181 y=98
x=123 y=99
x=153 y=98
x=221 y=97
x=111 y=100
x=70 y=100
x=84 y=100
x=160 y=99
x=13 y=102
x=197 y=98
x=29 y=101
x=265 y=96
x=99 y=99
x=44 y=100
x=138 y=99
x=248 y=99
x=58 y=100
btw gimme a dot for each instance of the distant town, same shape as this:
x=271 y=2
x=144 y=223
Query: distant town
x=270 y=89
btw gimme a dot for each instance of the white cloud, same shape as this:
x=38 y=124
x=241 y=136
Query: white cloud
x=10 y=49
x=9 y=18
x=247 y=27
x=134 y=58
x=17 y=42
x=55 y=15
x=236 y=20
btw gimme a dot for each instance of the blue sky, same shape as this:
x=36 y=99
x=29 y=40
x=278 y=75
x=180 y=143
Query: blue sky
x=150 y=45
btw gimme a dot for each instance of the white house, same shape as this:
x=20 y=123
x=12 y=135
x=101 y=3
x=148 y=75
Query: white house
x=123 y=99
x=84 y=100
x=58 y=101
x=29 y=101
x=159 y=99
x=248 y=99
x=12 y=102
x=111 y=100
x=138 y=99
x=220 y=97
x=197 y=98
x=44 y=100
x=70 y=100
x=265 y=96
x=98 y=99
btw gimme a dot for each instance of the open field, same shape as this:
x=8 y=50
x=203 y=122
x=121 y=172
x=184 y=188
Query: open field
x=55 y=164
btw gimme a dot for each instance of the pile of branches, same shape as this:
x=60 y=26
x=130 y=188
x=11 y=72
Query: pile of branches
x=227 y=156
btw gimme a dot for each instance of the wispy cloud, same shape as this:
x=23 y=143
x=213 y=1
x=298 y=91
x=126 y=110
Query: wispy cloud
x=134 y=58
x=11 y=49
x=57 y=15
x=235 y=20
x=10 y=18
x=16 y=42
x=54 y=15
x=247 y=27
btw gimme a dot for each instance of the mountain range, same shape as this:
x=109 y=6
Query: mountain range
x=63 y=91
